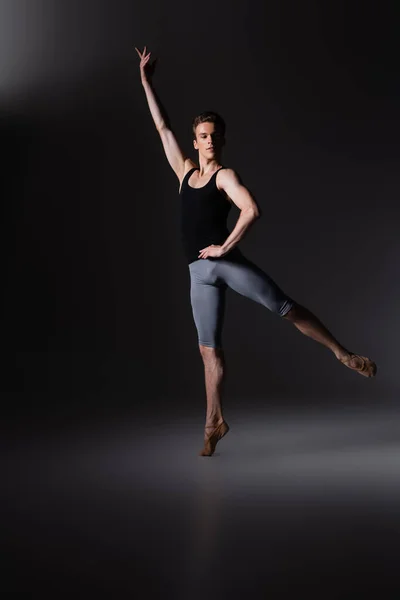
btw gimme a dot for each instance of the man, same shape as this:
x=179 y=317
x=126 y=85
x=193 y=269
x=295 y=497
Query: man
x=215 y=262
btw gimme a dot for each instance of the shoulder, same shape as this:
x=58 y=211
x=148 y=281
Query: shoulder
x=189 y=165
x=226 y=178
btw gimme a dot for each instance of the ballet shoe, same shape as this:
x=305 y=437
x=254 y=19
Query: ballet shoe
x=216 y=434
x=367 y=368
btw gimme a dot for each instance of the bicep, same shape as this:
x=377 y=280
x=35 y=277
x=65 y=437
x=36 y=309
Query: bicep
x=173 y=151
x=238 y=193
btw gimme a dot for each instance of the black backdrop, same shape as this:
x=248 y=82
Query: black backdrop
x=96 y=301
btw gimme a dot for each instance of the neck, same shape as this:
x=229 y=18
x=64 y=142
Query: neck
x=209 y=165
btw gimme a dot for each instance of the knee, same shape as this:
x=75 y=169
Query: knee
x=210 y=352
x=207 y=350
x=291 y=315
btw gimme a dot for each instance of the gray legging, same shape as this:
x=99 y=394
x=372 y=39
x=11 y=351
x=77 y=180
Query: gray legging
x=209 y=279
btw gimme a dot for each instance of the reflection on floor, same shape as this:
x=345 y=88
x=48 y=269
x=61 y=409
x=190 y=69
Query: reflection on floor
x=301 y=503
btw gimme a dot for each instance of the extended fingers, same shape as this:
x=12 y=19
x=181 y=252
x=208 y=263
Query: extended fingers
x=142 y=55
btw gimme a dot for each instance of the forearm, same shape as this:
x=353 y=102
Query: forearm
x=243 y=224
x=157 y=112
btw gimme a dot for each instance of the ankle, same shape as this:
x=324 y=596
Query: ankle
x=214 y=420
x=341 y=353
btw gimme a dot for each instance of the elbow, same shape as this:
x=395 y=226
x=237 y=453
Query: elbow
x=254 y=212
x=257 y=211
x=251 y=212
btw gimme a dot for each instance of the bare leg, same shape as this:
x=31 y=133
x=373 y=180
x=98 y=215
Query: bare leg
x=307 y=323
x=214 y=372
x=310 y=325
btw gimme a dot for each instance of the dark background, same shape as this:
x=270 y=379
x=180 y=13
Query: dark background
x=103 y=492
x=96 y=310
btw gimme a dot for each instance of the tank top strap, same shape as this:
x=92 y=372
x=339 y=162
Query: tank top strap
x=188 y=174
x=217 y=171
x=184 y=183
x=214 y=175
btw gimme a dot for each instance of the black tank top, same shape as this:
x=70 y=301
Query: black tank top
x=204 y=212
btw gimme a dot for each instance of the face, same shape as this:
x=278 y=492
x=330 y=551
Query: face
x=209 y=140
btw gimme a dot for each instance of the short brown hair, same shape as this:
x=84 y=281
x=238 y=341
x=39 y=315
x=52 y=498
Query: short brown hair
x=209 y=117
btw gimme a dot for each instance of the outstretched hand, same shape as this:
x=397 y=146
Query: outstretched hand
x=212 y=251
x=146 y=70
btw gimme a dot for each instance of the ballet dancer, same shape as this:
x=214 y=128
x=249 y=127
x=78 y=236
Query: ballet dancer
x=215 y=262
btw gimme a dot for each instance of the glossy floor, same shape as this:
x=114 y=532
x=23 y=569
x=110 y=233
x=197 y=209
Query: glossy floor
x=298 y=503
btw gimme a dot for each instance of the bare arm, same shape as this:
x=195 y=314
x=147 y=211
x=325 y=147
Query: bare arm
x=173 y=152
x=245 y=220
x=249 y=212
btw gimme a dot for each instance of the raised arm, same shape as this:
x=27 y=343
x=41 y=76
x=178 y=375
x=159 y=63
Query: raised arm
x=173 y=152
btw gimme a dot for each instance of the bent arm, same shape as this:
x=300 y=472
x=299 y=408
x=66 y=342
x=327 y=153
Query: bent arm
x=172 y=149
x=245 y=220
x=249 y=210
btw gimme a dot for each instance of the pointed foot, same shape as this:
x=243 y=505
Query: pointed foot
x=361 y=364
x=217 y=433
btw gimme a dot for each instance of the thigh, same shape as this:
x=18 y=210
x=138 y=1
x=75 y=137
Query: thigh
x=207 y=296
x=247 y=279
